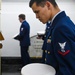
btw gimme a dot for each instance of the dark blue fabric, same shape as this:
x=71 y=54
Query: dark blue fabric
x=24 y=35
x=62 y=45
x=25 y=55
x=45 y=41
x=45 y=36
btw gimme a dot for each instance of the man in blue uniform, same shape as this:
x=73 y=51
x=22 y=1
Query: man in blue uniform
x=61 y=38
x=24 y=38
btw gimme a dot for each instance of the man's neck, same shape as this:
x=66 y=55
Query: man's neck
x=22 y=21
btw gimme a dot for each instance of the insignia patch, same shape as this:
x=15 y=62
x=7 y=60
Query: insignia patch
x=62 y=45
x=62 y=51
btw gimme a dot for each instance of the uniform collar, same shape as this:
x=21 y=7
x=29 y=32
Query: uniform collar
x=57 y=17
x=23 y=21
x=49 y=22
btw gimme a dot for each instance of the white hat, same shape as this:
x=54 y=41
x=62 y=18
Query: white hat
x=38 y=69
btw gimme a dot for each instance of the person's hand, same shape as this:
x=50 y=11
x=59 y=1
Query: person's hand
x=39 y=37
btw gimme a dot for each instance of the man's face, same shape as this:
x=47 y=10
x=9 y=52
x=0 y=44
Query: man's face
x=20 y=19
x=42 y=13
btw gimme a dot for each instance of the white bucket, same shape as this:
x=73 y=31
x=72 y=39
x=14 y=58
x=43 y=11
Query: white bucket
x=38 y=69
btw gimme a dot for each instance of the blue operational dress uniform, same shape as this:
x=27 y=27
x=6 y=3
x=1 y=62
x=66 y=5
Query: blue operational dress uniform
x=61 y=45
x=24 y=38
x=45 y=39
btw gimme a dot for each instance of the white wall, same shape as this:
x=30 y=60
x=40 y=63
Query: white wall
x=68 y=7
x=10 y=24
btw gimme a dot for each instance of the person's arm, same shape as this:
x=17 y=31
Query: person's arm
x=64 y=49
x=62 y=38
x=16 y=37
x=22 y=33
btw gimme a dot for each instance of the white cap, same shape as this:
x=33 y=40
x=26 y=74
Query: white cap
x=38 y=69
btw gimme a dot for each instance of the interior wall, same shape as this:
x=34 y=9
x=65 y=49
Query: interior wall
x=10 y=24
x=68 y=7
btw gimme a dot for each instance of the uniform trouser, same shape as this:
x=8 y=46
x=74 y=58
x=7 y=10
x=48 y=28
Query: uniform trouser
x=25 y=58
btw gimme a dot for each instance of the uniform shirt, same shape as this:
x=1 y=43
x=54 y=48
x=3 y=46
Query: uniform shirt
x=61 y=45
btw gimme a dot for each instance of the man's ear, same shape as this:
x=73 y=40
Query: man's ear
x=48 y=4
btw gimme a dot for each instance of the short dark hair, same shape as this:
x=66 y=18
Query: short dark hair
x=42 y=2
x=22 y=16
